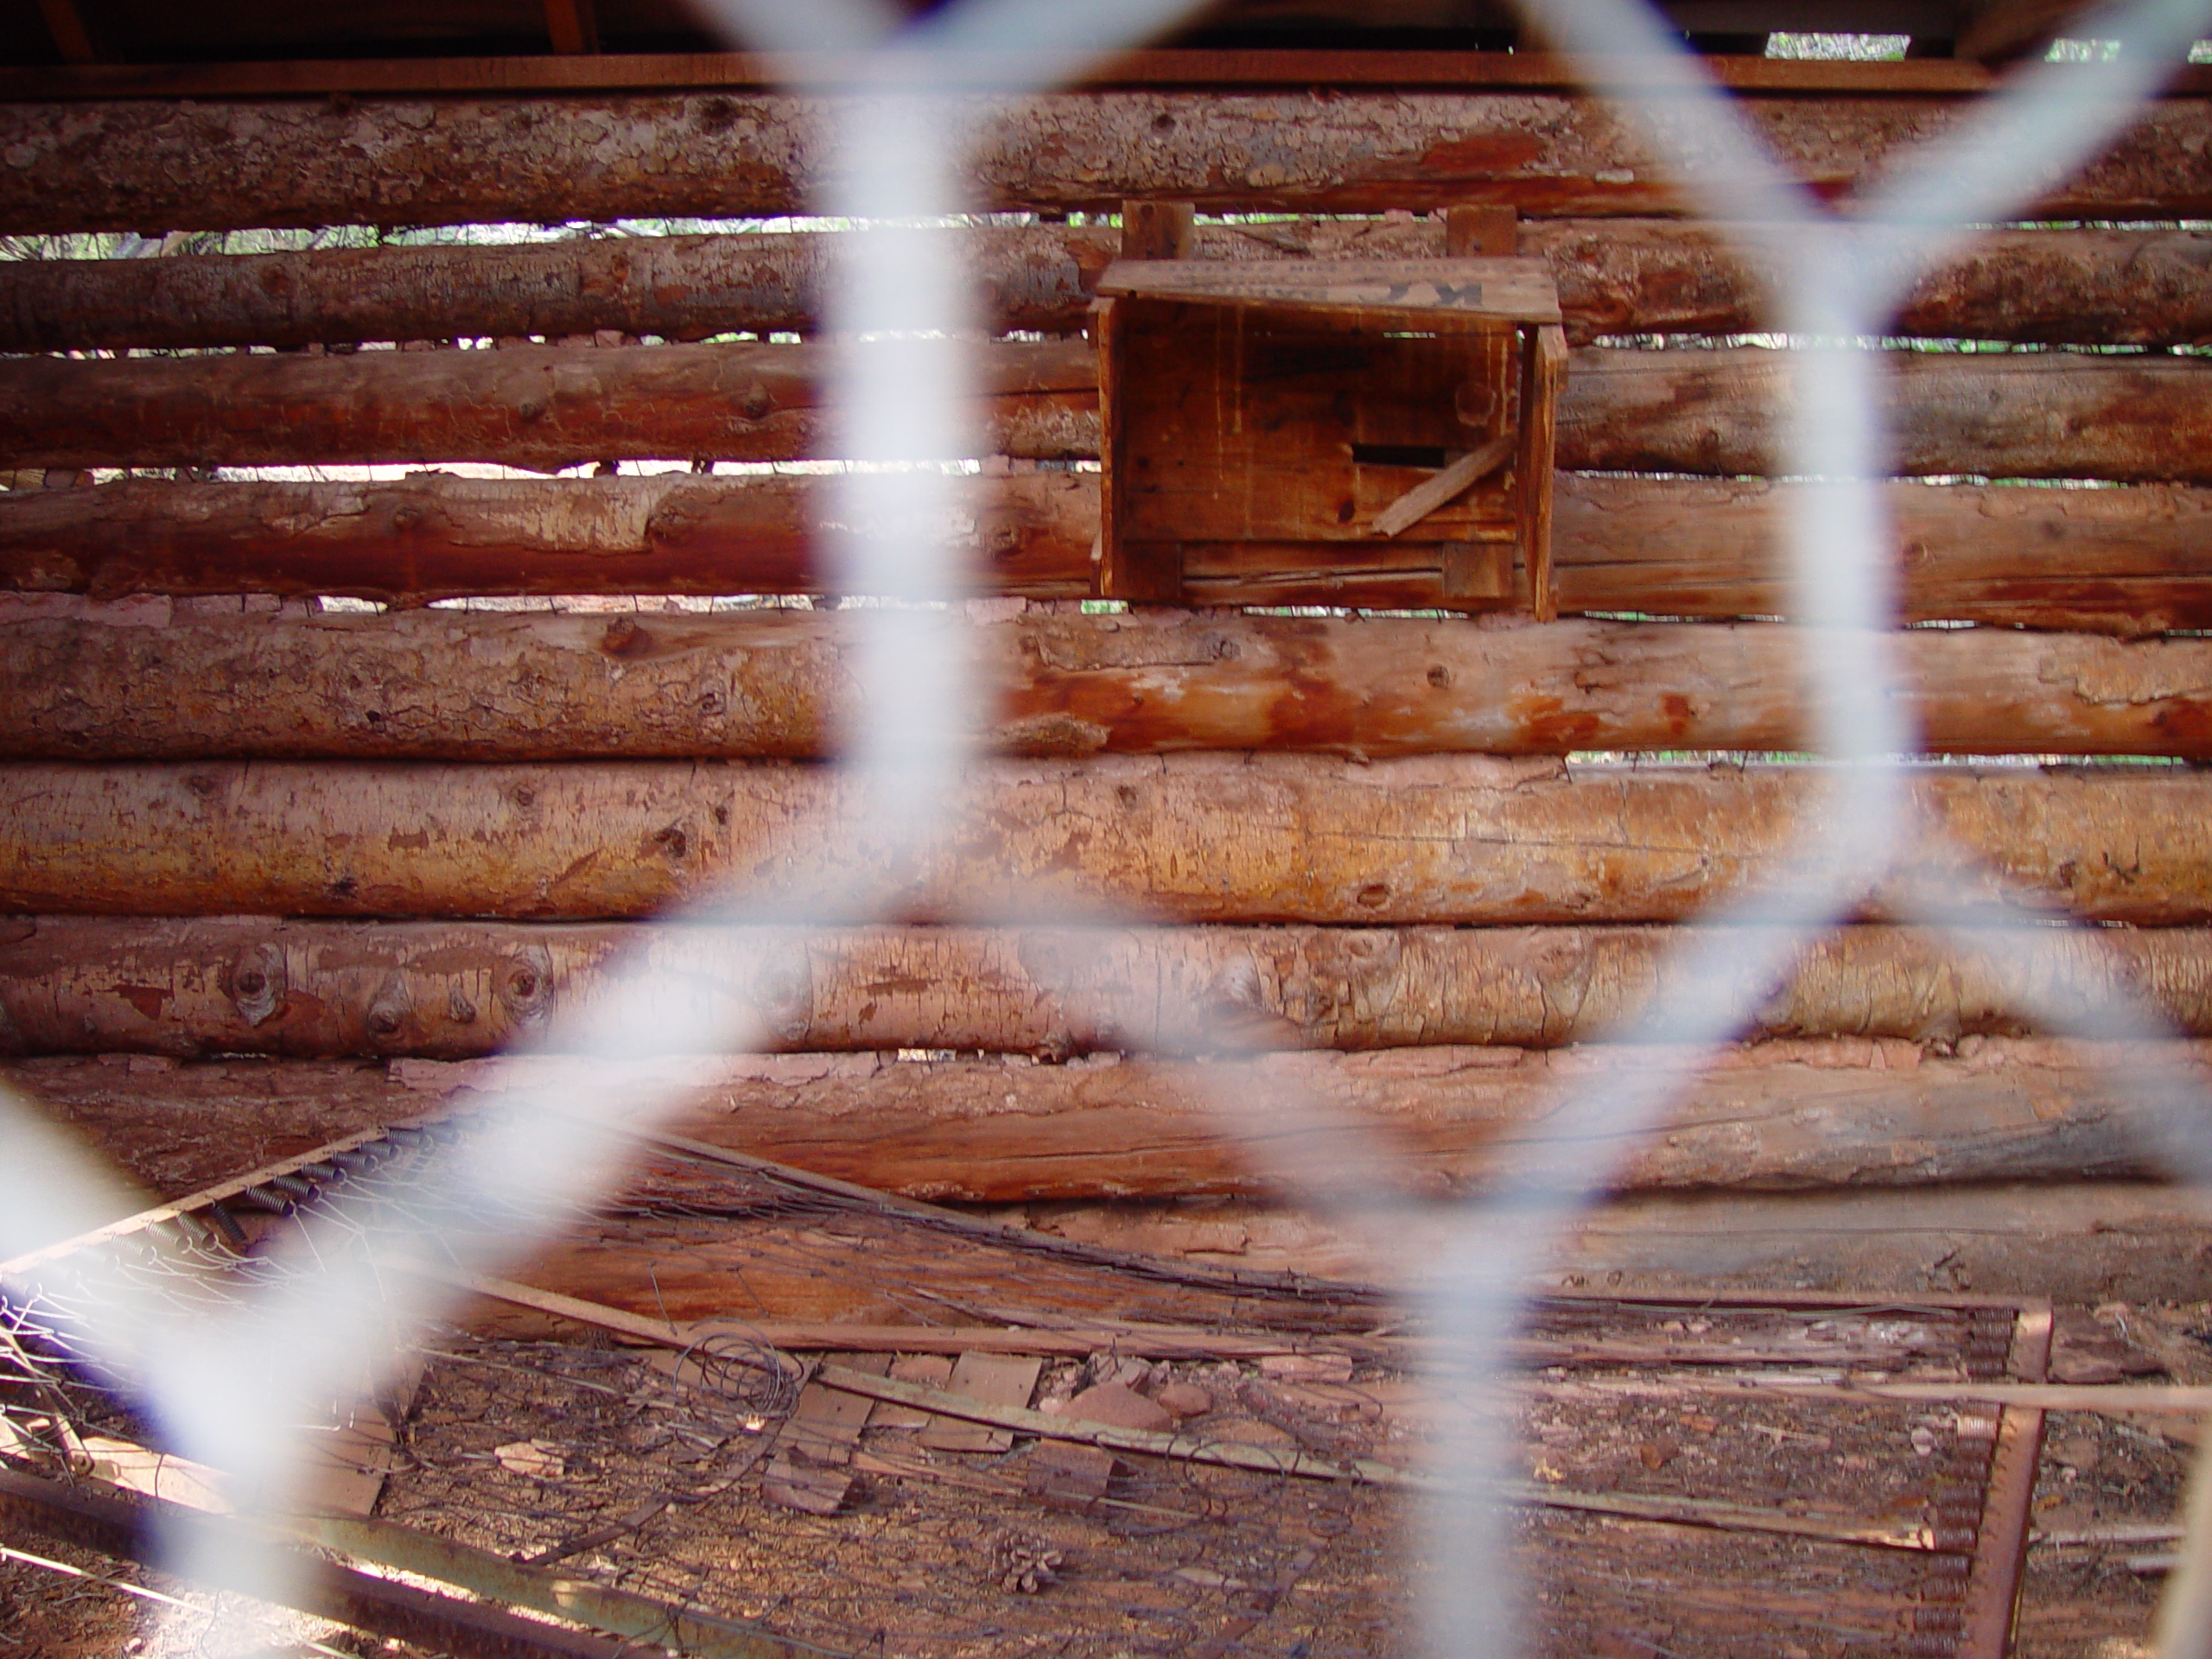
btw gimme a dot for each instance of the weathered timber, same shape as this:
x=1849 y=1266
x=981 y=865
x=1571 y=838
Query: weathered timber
x=1771 y=1116
x=677 y=286
x=151 y=679
x=2121 y=561
x=155 y=165
x=244 y=985
x=1167 y=66
x=2079 y=1240
x=2044 y=415
x=2041 y=415
x=2033 y=415
x=538 y=406
x=434 y=536
x=1193 y=837
x=1616 y=276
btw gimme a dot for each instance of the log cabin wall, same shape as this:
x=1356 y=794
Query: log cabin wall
x=293 y=855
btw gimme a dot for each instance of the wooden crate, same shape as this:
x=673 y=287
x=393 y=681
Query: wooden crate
x=1290 y=417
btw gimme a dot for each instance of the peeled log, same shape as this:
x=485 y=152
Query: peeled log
x=436 y=535
x=2030 y=414
x=145 y=680
x=1771 y=1115
x=1191 y=837
x=2038 y=414
x=156 y=164
x=2121 y=561
x=448 y=991
x=1616 y=276
x=542 y=407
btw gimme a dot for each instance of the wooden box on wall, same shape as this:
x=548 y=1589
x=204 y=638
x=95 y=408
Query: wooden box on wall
x=1285 y=420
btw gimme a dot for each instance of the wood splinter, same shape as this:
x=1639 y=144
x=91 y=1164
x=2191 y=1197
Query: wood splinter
x=1454 y=482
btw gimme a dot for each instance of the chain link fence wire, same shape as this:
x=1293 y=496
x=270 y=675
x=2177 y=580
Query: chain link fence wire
x=222 y=1370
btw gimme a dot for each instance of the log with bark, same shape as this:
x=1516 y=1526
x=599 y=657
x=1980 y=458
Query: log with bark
x=150 y=680
x=154 y=164
x=1191 y=837
x=1616 y=276
x=2123 y=561
x=247 y=985
x=2033 y=415
x=1842 y=1112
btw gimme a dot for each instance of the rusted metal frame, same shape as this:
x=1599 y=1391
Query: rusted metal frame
x=146 y=1530
x=2001 y=1540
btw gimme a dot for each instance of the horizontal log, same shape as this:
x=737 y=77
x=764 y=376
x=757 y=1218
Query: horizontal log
x=433 y=535
x=2084 y=1242
x=537 y=406
x=2039 y=414
x=158 y=165
x=1616 y=276
x=1193 y=837
x=1159 y=67
x=2122 y=561
x=148 y=680
x=2030 y=415
x=250 y=985
x=1768 y=1116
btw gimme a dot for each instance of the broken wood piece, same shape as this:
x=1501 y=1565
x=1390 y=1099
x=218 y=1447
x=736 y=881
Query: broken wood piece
x=825 y=1425
x=931 y=1370
x=1066 y=1472
x=807 y=1469
x=1453 y=481
x=987 y=1380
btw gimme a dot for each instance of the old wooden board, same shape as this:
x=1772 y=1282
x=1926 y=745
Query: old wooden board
x=988 y=1379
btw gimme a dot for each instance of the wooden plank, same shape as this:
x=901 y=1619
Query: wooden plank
x=1004 y=1381
x=1544 y=386
x=153 y=164
x=457 y=991
x=1439 y=291
x=807 y=1471
x=1615 y=277
x=2036 y=415
x=1198 y=837
x=1454 y=479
